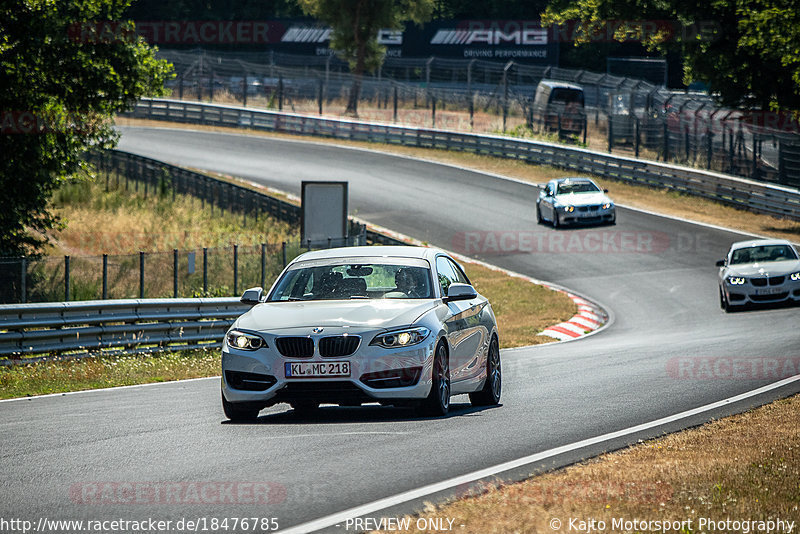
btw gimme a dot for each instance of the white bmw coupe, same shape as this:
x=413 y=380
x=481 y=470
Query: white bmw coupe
x=394 y=325
x=759 y=271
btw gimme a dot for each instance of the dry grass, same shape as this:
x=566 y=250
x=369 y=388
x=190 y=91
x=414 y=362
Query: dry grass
x=124 y=222
x=746 y=467
x=109 y=371
x=642 y=197
x=522 y=309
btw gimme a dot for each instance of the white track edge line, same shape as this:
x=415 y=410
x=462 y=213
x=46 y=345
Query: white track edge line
x=401 y=498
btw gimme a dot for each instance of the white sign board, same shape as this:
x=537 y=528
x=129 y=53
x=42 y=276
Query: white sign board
x=324 y=206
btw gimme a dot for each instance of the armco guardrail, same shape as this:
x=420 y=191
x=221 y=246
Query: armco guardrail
x=760 y=197
x=35 y=332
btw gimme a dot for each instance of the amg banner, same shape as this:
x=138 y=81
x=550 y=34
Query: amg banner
x=525 y=41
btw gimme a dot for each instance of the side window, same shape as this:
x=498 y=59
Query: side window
x=446 y=273
x=460 y=274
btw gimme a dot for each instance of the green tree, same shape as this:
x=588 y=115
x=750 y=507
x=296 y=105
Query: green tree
x=63 y=75
x=747 y=51
x=355 y=25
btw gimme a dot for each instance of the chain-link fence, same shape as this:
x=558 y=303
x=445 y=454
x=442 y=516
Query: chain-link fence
x=620 y=115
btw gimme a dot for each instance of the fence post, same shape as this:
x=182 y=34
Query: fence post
x=709 y=148
x=244 y=90
x=141 y=274
x=205 y=271
x=283 y=253
x=280 y=93
x=433 y=111
x=235 y=270
x=686 y=141
x=23 y=288
x=610 y=132
x=636 y=137
x=781 y=163
x=105 y=276
x=666 y=141
x=321 y=91
x=66 y=278
x=471 y=111
x=263 y=264
x=395 y=104
x=175 y=273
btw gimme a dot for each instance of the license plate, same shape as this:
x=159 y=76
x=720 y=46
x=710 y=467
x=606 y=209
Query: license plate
x=590 y=213
x=770 y=291
x=317 y=369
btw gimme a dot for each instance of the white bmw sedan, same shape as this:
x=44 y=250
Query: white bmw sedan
x=759 y=271
x=574 y=201
x=397 y=325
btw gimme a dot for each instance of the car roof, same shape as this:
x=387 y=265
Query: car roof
x=560 y=85
x=574 y=179
x=760 y=242
x=391 y=251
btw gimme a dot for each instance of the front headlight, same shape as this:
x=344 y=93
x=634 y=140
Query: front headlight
x=245 y=341
x=607 y=205
x=401 y=338
x=568 y=209
x=795 y=277
x=736 y=280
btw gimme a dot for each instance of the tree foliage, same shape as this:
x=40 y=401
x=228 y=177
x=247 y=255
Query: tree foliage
x=747 y=51
x=355 y=25
x=63 y=76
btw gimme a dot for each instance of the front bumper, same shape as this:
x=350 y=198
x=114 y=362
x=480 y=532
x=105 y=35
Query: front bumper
x=376 y=375
x=748 y=293
x=588 y=216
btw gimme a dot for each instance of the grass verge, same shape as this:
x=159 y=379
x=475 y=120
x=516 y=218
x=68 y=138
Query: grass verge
x=745 y=468
x=105 y=372
x=658 y=200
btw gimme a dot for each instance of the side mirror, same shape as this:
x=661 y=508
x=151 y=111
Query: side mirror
x=460 y=292
x=605 y=190
x=720 y=263
x=252 y=295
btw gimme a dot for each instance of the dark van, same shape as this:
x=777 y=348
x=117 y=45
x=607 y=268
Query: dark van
x=560 y=102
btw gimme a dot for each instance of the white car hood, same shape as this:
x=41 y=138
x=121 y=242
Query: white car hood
x=372 y=314
x=583 y=199
x=771 y=268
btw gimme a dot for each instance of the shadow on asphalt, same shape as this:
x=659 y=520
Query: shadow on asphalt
x=329 y=415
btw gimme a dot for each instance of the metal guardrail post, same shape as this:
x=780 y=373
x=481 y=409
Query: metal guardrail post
x=66 y=278
x=141 y=274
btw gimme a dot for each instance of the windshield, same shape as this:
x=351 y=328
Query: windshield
x=763 y=254
x=565 y=188
x=347 y=281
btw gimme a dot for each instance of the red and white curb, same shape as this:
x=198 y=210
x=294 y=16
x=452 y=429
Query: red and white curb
x=589 y=318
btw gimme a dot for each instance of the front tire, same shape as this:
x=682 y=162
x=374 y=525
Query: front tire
x=556 y=224
x=489 y=395
x=240 y=412
x=538 y=215
x=438 y=402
